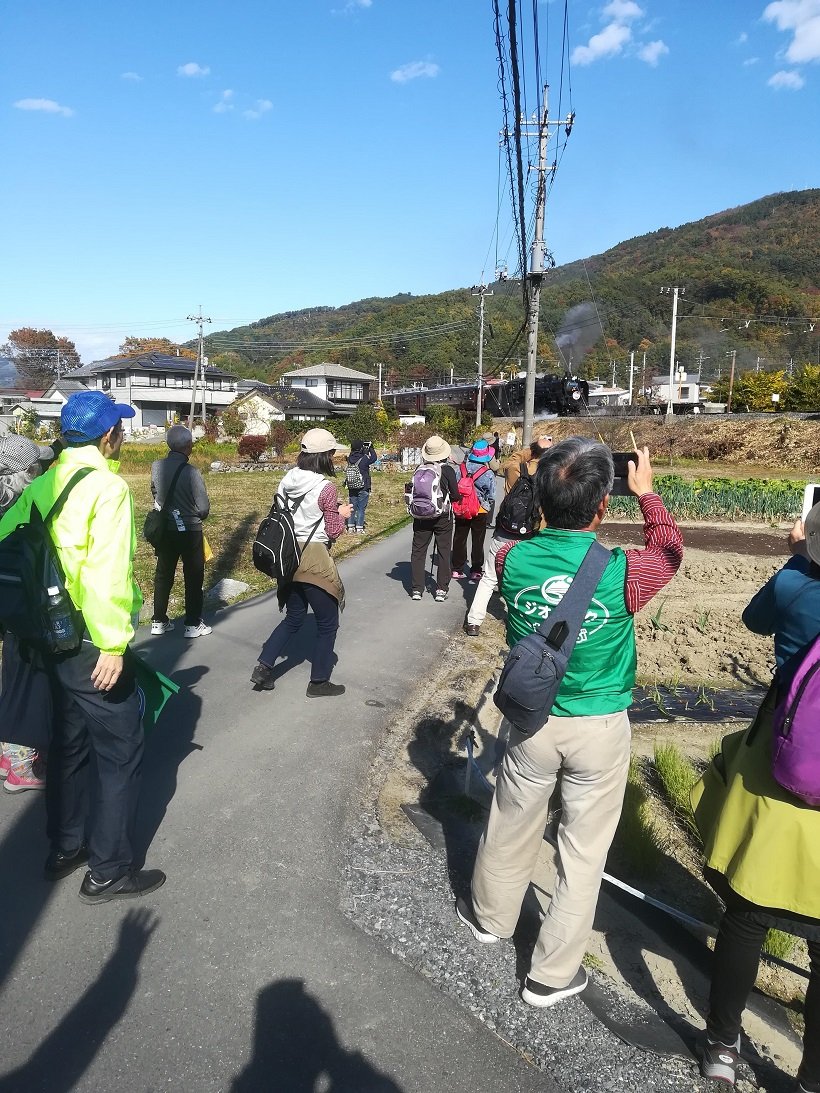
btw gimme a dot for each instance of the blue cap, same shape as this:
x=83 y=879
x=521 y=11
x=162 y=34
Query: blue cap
x=88 y=415
x=480 y=452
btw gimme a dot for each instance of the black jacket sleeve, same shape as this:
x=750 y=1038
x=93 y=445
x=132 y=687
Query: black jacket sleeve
x=450 y=481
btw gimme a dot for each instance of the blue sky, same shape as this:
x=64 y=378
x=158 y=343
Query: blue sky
x=257 y=156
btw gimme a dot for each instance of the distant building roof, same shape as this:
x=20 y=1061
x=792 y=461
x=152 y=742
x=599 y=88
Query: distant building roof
x=329 y=371
x=291 y=398
x=145 y=362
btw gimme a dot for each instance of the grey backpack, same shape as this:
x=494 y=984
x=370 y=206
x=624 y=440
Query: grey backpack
x=536 y=664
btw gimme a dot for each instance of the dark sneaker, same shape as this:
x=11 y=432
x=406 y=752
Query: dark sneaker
x=472 y=630
x=59 y=864
x=130 y=886
x=719 y=1061
x=325 y=689
x=262 y=677
x=464 y=910
x=537 y=994
x=475 y=576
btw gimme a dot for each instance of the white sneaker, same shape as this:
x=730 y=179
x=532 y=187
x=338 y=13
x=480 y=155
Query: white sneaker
x=161 y=627
x=201 y=630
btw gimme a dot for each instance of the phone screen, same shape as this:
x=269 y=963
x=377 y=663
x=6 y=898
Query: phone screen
x=811 y=497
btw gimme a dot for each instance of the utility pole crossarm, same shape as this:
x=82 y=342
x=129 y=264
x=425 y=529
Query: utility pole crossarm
x=199 y=319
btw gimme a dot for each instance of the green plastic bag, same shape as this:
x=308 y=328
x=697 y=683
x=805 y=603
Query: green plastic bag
x=153 y=689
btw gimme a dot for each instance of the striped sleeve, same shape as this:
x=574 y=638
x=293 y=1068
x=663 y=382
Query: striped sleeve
x=329 y=506
x=648 y=570
x=501 y=554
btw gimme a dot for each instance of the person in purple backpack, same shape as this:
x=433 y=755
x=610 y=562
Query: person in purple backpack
x=761 y=843
x=429 y=502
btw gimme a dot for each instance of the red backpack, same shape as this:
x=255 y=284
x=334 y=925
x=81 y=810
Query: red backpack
x=469 y=504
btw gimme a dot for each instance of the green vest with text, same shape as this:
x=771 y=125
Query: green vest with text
x=601 y=672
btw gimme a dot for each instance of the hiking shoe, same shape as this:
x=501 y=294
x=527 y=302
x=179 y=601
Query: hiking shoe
x=537 y=994
x=325 y=689
x=464 y=910
x=441 y=595
x=262 y=677
x=130 y=886
x=457 y=575
x=472 y=630
x=158 y=628
x=475 y=576
x=200 y=630
x=5 y=761
x=416 y=596
x=59 y=864
x=719 y=1061
x=30 y=775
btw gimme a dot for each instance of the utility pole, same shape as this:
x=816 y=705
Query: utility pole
x=631 y=371
x=538 y=254
x=700 y=359
x=199 y=320
x=675 y=292
x=380 y=366
x=732 y=354
x=204 y=388
x=481 y=292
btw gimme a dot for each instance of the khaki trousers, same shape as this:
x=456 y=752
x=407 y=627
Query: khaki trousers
x=592 y=755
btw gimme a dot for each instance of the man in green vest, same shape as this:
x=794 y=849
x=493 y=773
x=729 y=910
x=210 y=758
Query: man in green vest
x=586 y=739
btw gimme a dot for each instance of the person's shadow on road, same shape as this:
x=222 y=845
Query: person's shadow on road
x=296 y=1050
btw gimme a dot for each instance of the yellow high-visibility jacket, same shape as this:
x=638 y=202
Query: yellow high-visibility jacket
x=95 y=540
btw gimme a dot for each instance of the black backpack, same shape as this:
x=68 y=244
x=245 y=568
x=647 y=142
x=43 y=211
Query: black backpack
x=519 y=515
x=276 y=550
x=29 y=566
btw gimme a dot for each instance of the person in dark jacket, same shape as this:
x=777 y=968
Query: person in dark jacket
x=183 y=536
x=362 y=457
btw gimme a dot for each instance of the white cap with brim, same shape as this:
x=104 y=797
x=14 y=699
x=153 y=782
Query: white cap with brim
x=316 y=441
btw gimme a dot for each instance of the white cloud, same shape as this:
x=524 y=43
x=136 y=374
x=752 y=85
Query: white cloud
x=415 y=70
x=790 y=81
x=750 y=61
x=134 y=77
x=261 y=106
x=225 y=104
x=621 y=11
x=608 y=43
x=652 y=52
x=742 y=38
x=46 y=106
x=802 y=18
x=193 y=69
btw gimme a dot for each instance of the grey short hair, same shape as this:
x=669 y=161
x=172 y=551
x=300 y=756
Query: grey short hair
x=12 y=485
x=572 y=480
x=178 y=438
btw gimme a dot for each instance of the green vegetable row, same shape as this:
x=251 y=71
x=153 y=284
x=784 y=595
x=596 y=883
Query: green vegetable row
x=763 y=499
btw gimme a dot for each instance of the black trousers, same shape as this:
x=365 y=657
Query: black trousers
x=478 y=528
x=423 y=532
x=326 y=609
x=734 y=970
x=94 y=763
x=188 y=546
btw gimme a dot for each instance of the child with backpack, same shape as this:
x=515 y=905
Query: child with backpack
x=430 y=496
x=760 y=839
x=358 y=482
x=518 y=517
x=476 y=484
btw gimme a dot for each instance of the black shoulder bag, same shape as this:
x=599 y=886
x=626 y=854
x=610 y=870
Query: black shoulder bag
x=536 y=664
x=155 y=524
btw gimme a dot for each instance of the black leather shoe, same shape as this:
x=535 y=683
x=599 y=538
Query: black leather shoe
x=59 y=864
x=262 y=677
x=325 y=689
x=129 y=886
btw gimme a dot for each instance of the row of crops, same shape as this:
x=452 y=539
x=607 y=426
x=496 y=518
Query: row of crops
x=765 y=499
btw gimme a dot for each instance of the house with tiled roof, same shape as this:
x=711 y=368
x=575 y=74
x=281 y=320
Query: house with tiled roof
x=263 y=403
x=344 y=387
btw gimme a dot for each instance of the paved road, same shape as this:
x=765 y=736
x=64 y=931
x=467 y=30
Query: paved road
x=241 y=973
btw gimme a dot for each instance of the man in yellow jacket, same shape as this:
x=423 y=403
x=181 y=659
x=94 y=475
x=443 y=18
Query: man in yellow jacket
x=98 y=709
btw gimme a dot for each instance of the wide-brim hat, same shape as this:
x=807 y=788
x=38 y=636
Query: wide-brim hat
x=481 y=452
x=316 y=441
x=17 y=453
x=811 y=529
x=435 y=450
x=88 y=415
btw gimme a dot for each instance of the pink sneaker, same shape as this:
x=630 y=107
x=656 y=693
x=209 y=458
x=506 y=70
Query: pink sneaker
x=26 y=778
x=5 y=767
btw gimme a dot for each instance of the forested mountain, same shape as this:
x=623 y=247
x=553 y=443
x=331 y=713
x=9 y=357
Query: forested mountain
x=750 y=275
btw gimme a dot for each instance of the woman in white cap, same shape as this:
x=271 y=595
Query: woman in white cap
x=432 y=492
x=25 y=697
x=319 y=520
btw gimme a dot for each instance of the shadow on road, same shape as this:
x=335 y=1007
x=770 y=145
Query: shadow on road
x=63 y=1057
x=296 y=1049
